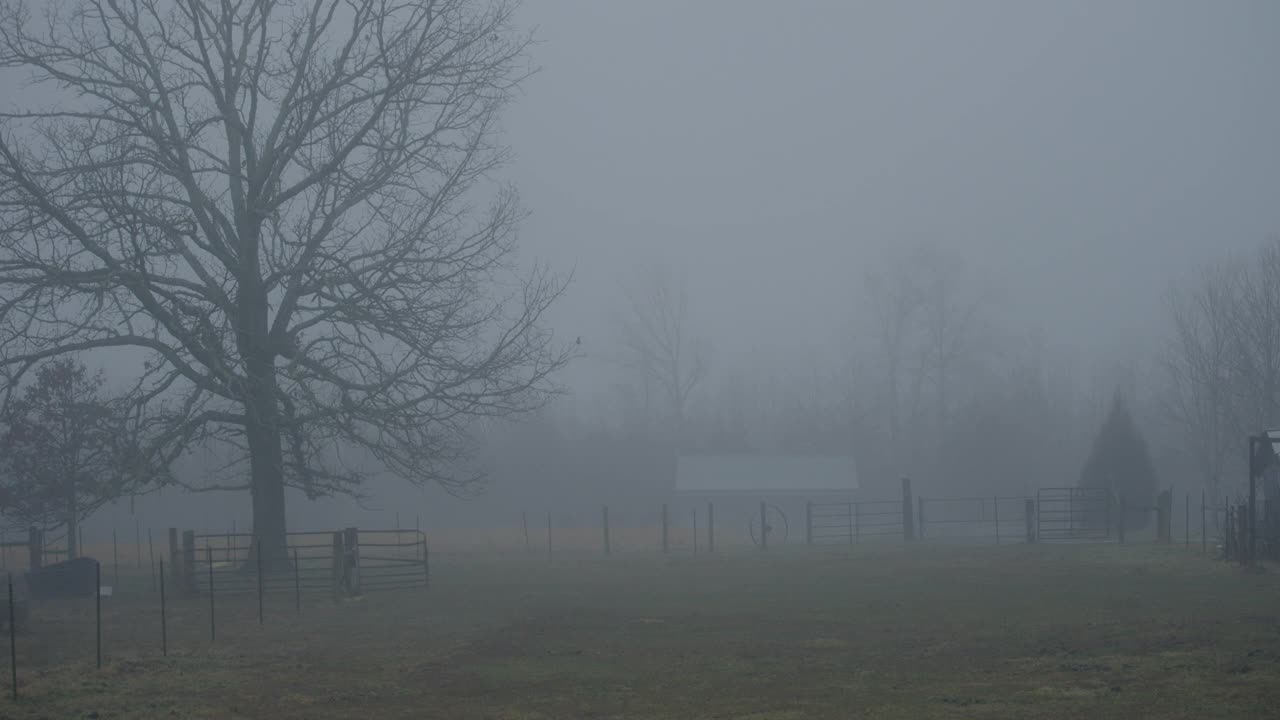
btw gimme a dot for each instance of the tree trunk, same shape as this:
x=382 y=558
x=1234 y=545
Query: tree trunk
x=262 y=412
x=266 y=474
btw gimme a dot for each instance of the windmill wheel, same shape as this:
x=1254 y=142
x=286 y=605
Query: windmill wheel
x=776 y=527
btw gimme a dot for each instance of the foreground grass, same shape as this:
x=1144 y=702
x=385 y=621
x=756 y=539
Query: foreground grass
x=881 y=632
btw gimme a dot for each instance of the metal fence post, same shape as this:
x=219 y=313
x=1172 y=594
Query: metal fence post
x=97 y=611
x=664 y=529
x=13 y=641
x=764 y=528
x=995 y=509
x=1121 y=521
x=164 y=621
x=711 y=527
x=189 y=560
x=175 y=558
x=908 y=517
x=607 y=548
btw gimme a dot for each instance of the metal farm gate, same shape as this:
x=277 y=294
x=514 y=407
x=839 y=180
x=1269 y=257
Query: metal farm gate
x=849 y=522
x=1073 y=513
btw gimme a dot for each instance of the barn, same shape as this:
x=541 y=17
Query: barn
x=737 y=484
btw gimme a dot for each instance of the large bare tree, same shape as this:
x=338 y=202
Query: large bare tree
x=287 y=208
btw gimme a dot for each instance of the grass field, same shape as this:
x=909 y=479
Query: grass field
x=889 y=631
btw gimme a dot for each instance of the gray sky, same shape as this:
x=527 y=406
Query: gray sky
x=1082 y=153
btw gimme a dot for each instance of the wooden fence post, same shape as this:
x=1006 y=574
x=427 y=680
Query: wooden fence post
x=606 y=530
x=189 y=561
x=339 y=565
x=908 y=514
x=1029 y=513
x=351 y=557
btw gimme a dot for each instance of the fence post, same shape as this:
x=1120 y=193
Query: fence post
x=189 y=561
x=35 y=541
x=1029 y=512
x=607 y=548
x=151 y=553
x=115 y=559
x=1120 y=522
x=338 y=565
x=995 y=509
x=257 y=561
x=548 y=535
x=164 y=621
x=1187 y=525
x=908 y=517
x=175 y=559
x=808 y=522
x=528 y=546
x=13 y=641
x=664 y=529
x=351 y=554
x=711 y=527
x=764 y=528
x=213 y=625
x=426 y=565
x=1204 y=524
x=695 y=531
x=97 y=611
x=920 y=511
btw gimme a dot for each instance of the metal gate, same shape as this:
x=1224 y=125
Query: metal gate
x=1073 y=513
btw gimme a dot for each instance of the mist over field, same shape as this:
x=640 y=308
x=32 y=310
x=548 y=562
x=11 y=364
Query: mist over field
x=511 y=280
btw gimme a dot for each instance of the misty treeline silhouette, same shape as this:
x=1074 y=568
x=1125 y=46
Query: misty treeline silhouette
x=936 y=387
x=1222 y=364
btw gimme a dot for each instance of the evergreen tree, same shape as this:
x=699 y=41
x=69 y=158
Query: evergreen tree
x=1120 y=462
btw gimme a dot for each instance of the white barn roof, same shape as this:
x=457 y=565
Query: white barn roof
x=759 y=474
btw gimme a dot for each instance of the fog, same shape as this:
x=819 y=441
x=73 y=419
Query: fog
x=1063 y=164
